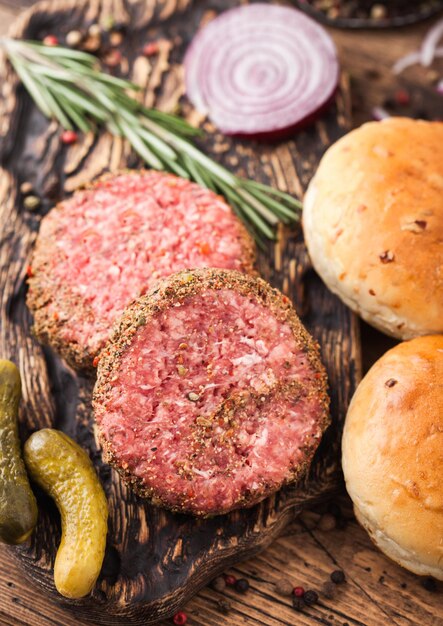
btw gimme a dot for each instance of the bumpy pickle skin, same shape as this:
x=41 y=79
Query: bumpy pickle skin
x=18 y=507
x=64 y=471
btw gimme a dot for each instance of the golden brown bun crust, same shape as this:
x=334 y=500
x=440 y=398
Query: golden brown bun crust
x=393 y=454
x=373 y=222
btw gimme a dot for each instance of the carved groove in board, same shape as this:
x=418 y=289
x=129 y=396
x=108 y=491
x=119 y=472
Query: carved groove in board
x=155 y=560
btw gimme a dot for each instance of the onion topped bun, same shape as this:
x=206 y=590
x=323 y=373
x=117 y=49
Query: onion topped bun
x=373 y=224
x=393 y=454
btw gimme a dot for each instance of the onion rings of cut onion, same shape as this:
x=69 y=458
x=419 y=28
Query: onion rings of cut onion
x=261 y=71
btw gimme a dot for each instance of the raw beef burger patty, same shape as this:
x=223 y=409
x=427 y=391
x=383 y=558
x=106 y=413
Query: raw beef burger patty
x=211 y=394
x=109 y=244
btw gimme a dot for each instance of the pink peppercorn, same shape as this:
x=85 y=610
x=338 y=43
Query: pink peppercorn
x=180 y=618
x=113 y=58
x=50 y=40
x=68 y=137
x=150 y=49
x=402 y=97
x=298 y=592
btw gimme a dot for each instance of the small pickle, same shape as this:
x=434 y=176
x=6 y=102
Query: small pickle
x=62 y=469
x=18 y=507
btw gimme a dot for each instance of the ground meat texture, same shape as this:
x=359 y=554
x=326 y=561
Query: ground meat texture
x=109 y=243
x=211 y=394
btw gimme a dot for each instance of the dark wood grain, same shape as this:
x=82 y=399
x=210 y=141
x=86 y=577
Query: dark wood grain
x=155 y=560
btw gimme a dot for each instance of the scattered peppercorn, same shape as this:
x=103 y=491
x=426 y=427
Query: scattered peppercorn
x=421 y=114
x=391 y=382
x=327 y=522
x=298 y=592
x=180 y=618
x=113 y=58
x=242 y=585
x=26 y=188
x=389 y=103
x=219 y=583
x=283 y=587
x=402 y=97
x=329 y=590
x=298 y=603
x=151 y=48
x=31 y=203
x=94 y=30
x=68 y=137
x=230 y=580
x=92 y=44
x=381 y=580
x=310 y=597
x=372 y=74
x=338 y=577
x=115 y=38
x=403 y=585
x=378 y=12
x=223 y=606
x=429 y=584
x=73 y=38
x=50 y=40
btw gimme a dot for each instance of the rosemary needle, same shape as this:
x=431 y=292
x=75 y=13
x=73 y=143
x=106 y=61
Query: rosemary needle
x=68 y=85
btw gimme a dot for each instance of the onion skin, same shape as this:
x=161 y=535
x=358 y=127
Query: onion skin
x=286 y=133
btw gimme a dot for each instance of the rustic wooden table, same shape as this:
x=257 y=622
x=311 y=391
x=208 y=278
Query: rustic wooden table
x=377 y=592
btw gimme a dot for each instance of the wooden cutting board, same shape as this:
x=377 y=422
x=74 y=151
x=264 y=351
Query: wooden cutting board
x=155 y=560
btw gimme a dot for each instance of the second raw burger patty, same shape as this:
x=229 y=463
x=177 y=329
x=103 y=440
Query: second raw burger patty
x=211 y=394
x=109 y=244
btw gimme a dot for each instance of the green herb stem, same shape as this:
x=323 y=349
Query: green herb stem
x=69 y=86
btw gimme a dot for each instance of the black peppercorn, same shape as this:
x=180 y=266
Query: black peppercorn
x=429 y=584
x=310 y=597
x=421 y=114
x=338 y=577
x=242 y=585
x=329 y=590
x=298 y=603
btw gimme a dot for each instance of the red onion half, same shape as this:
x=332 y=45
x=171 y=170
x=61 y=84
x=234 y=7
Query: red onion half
x=261 y=70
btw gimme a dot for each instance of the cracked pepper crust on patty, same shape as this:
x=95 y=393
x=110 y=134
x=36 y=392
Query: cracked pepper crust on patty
x=210 y=394
x=111 y=241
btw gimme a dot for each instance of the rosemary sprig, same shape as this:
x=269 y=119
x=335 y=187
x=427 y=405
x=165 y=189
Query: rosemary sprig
x=69 y=86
